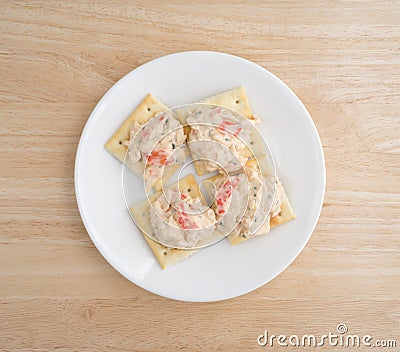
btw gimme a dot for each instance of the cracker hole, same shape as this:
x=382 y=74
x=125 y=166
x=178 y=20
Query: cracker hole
x=189 y=189
x=251 y=143
x=148 y=109
x=120 y=142
x=280 y=213
x=165 y=252
x=237 y=101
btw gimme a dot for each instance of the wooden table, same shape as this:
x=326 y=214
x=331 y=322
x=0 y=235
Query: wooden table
x=58 y=59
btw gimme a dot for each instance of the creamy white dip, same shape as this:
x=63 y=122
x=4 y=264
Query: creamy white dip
x=245 y=202
x=156 y=143
x=219 y=136
x=179 y=220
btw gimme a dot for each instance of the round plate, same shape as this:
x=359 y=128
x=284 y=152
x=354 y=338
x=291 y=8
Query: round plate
x=221 y=271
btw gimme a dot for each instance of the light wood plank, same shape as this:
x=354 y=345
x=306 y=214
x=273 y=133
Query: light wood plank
x=58 y=59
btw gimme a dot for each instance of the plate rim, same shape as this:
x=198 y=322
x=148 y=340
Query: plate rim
x=90 y=120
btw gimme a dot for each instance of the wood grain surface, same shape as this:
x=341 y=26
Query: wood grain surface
x=342 y=58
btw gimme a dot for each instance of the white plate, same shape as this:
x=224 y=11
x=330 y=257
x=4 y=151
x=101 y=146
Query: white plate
x=220 y=271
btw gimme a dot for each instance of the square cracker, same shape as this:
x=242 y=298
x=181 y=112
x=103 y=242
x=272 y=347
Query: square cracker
x=284 y=216
x=148 y=108
x=141 y=212
x=236 y=100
